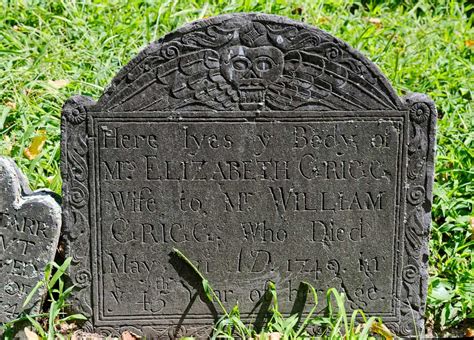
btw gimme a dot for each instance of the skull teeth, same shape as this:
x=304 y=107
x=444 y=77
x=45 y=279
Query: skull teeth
x=252 y=96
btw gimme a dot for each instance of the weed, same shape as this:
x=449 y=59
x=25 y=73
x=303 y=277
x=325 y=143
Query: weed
x=47 y=325
x=334 y=325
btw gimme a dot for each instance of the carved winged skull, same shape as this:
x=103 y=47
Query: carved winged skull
x=248 y=66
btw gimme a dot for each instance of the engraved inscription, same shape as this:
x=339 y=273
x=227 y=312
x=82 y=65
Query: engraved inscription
x=268 y=199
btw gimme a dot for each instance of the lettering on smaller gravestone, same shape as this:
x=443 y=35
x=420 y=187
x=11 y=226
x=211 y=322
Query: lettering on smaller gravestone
x=29 y=232
x=266 y=150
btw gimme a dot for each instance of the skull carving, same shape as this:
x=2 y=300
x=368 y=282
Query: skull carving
x=250 y=71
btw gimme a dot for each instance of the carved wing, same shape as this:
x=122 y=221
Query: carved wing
x=192 y=81
x=317 y=81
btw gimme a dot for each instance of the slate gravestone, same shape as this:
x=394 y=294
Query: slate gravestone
x=264 y=149
x=30 y=224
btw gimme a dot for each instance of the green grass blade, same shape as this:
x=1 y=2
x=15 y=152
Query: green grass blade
x=73 y=317
x=37 y=326
x=210 y=293
x=38 y=285
x=311 y=312
x=59 y=272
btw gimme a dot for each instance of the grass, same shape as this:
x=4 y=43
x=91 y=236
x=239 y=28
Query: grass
x=47 y=325
x=333 y=325
x=50 y=50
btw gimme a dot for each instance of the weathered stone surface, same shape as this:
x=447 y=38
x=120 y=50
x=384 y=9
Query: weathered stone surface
x=264 y=149
x=30 y=224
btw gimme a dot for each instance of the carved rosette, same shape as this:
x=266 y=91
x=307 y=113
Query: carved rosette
x=74 y=171
x=420 y=170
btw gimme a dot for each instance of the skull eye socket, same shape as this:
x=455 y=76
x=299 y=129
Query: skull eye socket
x=264 y=64
x=240 y=63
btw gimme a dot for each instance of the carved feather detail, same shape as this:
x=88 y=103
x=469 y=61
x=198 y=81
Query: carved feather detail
x=274 y=67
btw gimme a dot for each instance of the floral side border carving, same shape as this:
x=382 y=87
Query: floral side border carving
x=419 y=182
x=74 y=171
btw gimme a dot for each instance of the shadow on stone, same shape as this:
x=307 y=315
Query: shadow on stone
x=188 y=275
x=300 y=302
x=262 y=315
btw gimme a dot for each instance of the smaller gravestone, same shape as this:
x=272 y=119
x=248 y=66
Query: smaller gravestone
x=30 y=223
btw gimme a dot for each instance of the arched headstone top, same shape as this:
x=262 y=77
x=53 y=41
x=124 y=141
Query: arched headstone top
x=245 y=62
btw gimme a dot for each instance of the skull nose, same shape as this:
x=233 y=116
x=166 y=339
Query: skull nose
x=250 y=74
